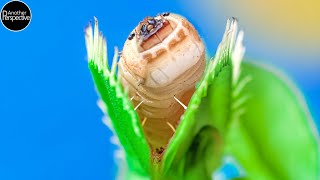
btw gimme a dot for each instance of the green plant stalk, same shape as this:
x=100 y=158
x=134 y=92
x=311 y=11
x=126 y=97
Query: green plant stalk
x=239 y=109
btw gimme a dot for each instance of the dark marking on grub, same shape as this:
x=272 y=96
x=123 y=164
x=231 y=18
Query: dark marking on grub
x=166 y=14
x=131 y=36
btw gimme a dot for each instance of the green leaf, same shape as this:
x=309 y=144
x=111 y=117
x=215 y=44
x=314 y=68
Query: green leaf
x=272 y=134
x=124 y=119
x=204 y=118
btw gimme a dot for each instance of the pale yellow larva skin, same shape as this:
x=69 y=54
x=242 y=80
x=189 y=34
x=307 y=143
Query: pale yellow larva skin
x=154 y=76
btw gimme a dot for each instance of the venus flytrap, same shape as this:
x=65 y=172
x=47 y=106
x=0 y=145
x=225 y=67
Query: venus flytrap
x=237 y=110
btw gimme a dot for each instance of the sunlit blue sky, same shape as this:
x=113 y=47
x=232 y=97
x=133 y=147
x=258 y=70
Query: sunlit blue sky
x=50 y=125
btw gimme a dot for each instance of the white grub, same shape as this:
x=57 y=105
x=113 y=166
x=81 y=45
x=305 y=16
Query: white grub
x=161 y=61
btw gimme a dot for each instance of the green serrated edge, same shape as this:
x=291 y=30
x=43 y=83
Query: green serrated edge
x=125 y=120
x=189 y=126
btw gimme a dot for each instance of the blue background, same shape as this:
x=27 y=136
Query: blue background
x=50 y=125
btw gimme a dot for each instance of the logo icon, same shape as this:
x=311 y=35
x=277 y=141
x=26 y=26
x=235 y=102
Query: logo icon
x=15 y=15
